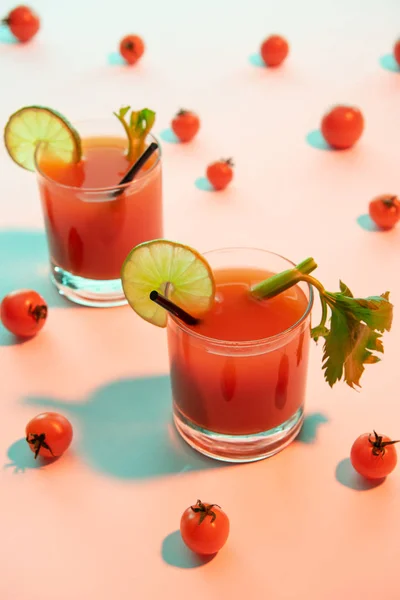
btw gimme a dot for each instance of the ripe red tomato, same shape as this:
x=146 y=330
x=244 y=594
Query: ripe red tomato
x=220 y=173
x=373 y=456
x=23 y=312
x=204 y=528
x=185 y=125
x=396 y=51
x=342 y=127
x=385 y=211
x=131 y=48
x=23 y=23
x=274 y=50
x=49 y=434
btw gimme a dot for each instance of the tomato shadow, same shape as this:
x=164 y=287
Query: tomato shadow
x=204 y=185
x=309 y=432
x=389 y=63
x=366 y=223
x=256 y=60
x=114 y=59
x=22 y=458
x=6 y=37
x=175 y=553
x=167 y=135
x=316 y=140
x=25 y=264
x=347 y=476
x=9 y=339
x=126 y=431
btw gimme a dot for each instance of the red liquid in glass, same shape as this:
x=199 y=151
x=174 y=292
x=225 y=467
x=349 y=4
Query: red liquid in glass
x=234 y=394
x=90 y=235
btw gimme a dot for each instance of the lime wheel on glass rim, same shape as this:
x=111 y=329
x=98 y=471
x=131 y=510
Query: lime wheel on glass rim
x=32 y=125
x=174 y=270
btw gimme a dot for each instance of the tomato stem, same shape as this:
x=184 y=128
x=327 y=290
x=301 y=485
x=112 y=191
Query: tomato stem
x=228 y=161
x=390 y=202
x=204 y=510
x=38 y=442
x=378 y=445
x=38 y=312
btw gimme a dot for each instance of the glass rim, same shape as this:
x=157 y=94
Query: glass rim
x=242 y=344
x=99 y=190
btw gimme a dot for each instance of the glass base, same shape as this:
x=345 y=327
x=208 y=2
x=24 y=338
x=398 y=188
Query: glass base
x=88 y=292
x=239 y=448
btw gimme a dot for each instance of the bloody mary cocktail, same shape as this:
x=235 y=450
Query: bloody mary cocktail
x=238 y=325
x=90 y=230
x=239 y=376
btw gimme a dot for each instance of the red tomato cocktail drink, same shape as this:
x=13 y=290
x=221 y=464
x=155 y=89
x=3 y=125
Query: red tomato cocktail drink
x=100 y=186
x=238 y=325
x=239 y=376
x=89 y=230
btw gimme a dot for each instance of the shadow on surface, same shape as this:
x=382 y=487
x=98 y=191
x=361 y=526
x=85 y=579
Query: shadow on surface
x=204 y=185
x=256 y=60
x=9 y=339
x=175 y=553
x=24 y=263
x=167 y=135
x=126 y=430
x=311 y=424
x=115 y=59
x=316 y=140
x=366 y=223
x=6 y=37
x=389 y=63
x=22 y=458
x=347 y=476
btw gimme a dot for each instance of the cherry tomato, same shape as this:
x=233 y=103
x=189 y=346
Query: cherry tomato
x=373 y=456
x=385 y=211
x=396 y=52
x=23 y=312
x=220 y=173
x=274 y=50
x=185 y=125
x=342 y=127
x=131 y=48
x=23 y=23
x=204 y=528
x=49 y=434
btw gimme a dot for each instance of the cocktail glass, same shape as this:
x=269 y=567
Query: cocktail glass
x=90 y=230
x=241 y=401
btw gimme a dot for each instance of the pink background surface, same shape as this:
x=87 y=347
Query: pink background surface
x=102 y=521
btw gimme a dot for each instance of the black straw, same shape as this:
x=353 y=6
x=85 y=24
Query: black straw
x=135 y=168
x=175 y=310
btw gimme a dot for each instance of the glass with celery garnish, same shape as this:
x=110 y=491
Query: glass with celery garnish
x=239 y=326
x=91 y=218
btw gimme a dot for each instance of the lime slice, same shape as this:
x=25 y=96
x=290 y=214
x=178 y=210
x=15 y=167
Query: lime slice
x=172 y=269
x=34 y=124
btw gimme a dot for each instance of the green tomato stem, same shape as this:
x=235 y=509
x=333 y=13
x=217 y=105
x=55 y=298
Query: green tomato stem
x=278 y=283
